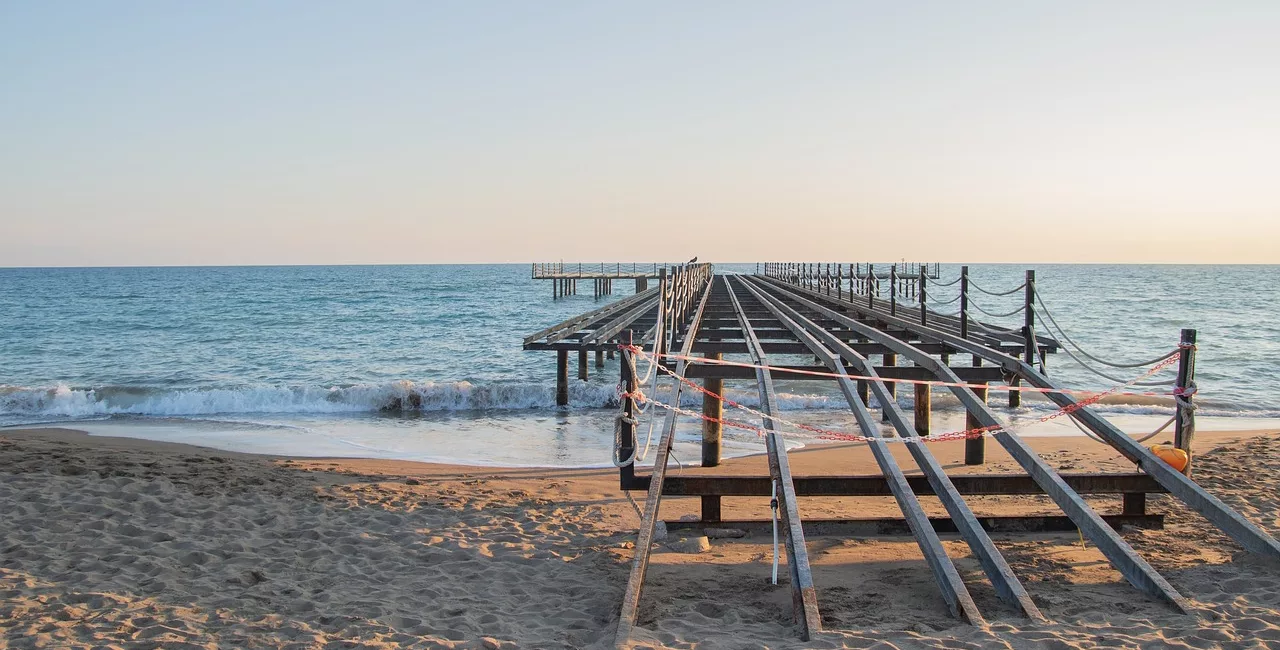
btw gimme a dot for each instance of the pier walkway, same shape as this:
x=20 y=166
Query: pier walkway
x=698 y=325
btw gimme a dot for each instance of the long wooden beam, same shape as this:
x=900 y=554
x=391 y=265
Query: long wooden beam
x=804 y=597
x=1006 y=584
x=1121 y=555
x=575 y=324
x=875 y=485
x=644 y=541
x=954 y=592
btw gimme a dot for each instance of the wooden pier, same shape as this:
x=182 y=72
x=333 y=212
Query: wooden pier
x=564 y=277
x=722 y=328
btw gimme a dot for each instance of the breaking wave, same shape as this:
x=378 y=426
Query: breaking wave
x=18 y=403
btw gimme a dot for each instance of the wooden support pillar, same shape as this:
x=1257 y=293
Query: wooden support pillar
x=1184 y=389
x=711 y=509
x=712 y=408
x=627 y=444
x=924 y=408
x=1134 y=503
x=924 y=298
x=610 y=353
x=599 y=358
x=1028 y=333
x=582 y=365
x=562 y=377
x=871 y=278
x=964 y=302
x=864 y=391
x=975 y=448
x=893 y=290
x=890 y=359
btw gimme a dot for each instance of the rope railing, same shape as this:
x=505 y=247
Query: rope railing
x=934 y=301
x=974 y=285
x=1044 y=310
x=978 y=307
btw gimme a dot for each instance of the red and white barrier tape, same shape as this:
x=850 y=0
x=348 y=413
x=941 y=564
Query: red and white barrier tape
x=826 y=434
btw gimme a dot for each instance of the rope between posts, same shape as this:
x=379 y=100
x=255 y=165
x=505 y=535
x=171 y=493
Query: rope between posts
x=936 y=283
x=934 y=301
x=1171 y=355
x=979 y=308
x=826 y=434
x=974 y=285
x=1049 y=316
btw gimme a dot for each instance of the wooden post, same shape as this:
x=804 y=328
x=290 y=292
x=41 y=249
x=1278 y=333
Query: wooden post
x=923 y=296
x=712 y=408
x=562 y=377
x=839 y=282
x=924 y=408
x=582 y=365
x=964 y=302
x=627 y=445
x=1134 y=503
x=1028 y=333
x=890 y=359
x=871 y=299
x=975 y=448
x=893 y=290
x=599 y=358
x=864 y=391
x=1184 y=431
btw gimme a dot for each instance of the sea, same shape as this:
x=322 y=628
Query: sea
x=322 y=360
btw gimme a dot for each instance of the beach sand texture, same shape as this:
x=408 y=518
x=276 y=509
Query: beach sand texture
x=122 y=543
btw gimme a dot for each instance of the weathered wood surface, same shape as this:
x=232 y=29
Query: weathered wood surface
x=1139 y=573
x=649 y=518
x=803 y=594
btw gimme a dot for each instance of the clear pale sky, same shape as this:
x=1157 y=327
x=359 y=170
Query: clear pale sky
x=139 y=133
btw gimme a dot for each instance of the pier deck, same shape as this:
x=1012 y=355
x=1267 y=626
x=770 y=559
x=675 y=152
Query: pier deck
x=702 y=326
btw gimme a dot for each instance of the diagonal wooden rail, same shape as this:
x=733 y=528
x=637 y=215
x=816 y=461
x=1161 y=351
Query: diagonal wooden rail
x=1189 y=492
x=804 y=596
x=649 y=518
x=1122 y=556
x=1006 y=584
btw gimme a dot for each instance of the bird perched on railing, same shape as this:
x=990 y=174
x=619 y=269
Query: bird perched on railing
x=695 y=259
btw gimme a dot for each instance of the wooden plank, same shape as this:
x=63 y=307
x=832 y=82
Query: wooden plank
x=795 y=373
x=644 y=541
x=1121 y=555
x=954 y=592
x=874 y=485
x=804 y=597
x=581 y=318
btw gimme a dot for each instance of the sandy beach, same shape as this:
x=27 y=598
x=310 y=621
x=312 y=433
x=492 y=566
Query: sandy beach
x=124 y=543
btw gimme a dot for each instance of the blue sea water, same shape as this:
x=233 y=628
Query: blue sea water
x=306 y=360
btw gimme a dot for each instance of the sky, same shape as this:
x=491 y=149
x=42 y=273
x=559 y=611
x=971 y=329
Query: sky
x=312 y=132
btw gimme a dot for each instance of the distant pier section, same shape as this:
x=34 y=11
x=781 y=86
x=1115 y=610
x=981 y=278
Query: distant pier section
x=564 y=277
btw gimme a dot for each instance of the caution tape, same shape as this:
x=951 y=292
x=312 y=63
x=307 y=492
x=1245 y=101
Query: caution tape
x=827 y=434
x=922 y=382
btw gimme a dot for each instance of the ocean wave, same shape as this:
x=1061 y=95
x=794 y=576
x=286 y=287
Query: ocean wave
x=62 y=401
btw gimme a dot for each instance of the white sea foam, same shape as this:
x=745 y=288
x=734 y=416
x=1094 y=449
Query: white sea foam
x=64 y=402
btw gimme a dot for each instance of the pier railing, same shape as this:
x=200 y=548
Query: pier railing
x=580 y=270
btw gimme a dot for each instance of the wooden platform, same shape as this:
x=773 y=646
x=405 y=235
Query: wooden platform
x=695 y=320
